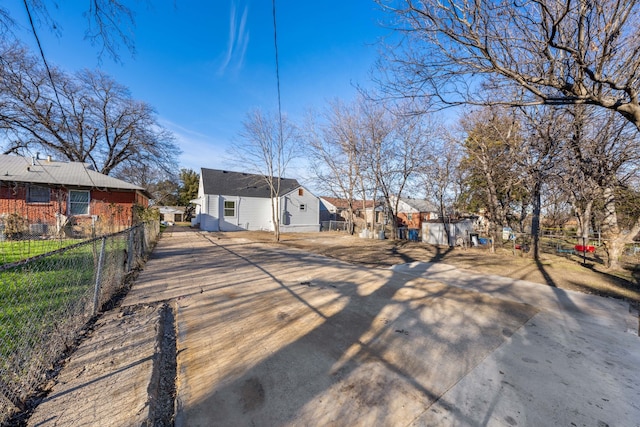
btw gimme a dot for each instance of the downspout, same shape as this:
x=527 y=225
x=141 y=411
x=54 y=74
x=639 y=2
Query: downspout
x=238 y=211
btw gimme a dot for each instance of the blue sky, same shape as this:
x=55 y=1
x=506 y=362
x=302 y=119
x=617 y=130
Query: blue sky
x=204 y=64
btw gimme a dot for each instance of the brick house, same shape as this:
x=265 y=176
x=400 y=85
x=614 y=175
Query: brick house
x=413 y=212
x=45 y=196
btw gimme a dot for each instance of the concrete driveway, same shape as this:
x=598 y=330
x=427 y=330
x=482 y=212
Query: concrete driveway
x=272 y=336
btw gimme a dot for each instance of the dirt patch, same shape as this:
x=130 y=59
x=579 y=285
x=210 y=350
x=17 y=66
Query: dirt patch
x=565 y=272
x=162 y=387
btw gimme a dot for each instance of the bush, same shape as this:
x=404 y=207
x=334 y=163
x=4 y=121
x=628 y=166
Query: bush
x=15 y=226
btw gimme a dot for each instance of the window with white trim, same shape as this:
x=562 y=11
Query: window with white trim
x=79 y=202
x=229 y=208
x=38 y=194
x=303 y=207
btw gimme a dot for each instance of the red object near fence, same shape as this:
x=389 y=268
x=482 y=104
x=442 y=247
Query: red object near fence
x=581 y=248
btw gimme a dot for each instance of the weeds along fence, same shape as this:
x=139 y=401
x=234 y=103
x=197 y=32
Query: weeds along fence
x=48 y=298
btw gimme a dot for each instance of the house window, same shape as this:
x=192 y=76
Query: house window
x=229 y=208
x=78 y=202
x=410 y=216
x=36 y=194
x=303 y=207
x=300 y=192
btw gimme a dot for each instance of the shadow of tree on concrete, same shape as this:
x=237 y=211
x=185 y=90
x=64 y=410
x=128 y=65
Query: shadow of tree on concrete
x=306 y=339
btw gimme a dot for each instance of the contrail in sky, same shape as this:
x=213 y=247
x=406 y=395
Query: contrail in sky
x=238 y=39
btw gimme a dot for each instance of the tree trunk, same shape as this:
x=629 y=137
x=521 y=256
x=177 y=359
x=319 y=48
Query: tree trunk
x=275 y=217
x=614 y=249
x=584 y=219
x=497 y=213
x=443 y=220
x=351 y=223
x=535 y=220
x=495 y=232
x=611 y=230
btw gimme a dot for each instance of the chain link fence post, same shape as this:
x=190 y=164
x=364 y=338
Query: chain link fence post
x=130 y=250
x=49 y=290
x=96 y=293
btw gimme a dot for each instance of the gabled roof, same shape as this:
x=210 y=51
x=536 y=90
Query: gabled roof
x=344 y=203
x=66 y=174
x=170 y=209
x=419 y=205
x=227 y=183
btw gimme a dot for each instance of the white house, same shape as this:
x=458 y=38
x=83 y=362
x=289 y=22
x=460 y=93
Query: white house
x=230 y=201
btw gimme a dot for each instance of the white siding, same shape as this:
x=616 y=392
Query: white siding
x=294 y=218
x=254 y=214
x=209 y=213
x=251 y=213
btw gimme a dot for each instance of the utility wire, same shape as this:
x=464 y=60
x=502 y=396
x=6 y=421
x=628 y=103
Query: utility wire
x=46 y=64
x=53 y=84
x=275 y=41
x=280 y=137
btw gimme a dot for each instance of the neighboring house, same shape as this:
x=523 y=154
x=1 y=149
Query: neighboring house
x=230 y=201
x=332 y=209
x=413 y=212
x=337 y=209
x=46 y=195
x=172 y=213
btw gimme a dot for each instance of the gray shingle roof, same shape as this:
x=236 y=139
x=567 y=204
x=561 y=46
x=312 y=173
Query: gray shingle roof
x=420 y=205
x=76 y=174
x=226 y=183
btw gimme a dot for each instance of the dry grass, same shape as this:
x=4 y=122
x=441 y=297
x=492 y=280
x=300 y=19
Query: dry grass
x=565 y=272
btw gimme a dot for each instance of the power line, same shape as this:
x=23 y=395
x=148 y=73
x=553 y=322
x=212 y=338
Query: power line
x=46 y=64
x=53 y=85
x=275 y=41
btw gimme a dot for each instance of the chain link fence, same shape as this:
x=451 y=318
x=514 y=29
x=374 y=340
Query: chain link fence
x=48 y=298
x=564 y=243
x=333 y=225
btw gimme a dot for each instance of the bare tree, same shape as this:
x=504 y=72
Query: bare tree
x=606 y=150
x=544 y=130
x=266 y=147
x=396 y=142
x=441 y=175
x=110 y=23
x=559 y=52
x=89 y=117
x=337 y=151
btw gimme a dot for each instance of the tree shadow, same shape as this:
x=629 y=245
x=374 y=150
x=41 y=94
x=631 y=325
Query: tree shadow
x=547 y=277
x=306 y=339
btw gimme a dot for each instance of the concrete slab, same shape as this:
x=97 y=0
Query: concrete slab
x=609 y=312
x=574 y=363
x=549 y=372
x=277 y=336
x=274 y=336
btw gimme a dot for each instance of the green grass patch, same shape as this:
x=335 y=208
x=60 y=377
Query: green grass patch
x=18 y=250
x=50 y=295
x=40 y=295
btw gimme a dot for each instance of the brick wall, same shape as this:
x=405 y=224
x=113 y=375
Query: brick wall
x=112 y=207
